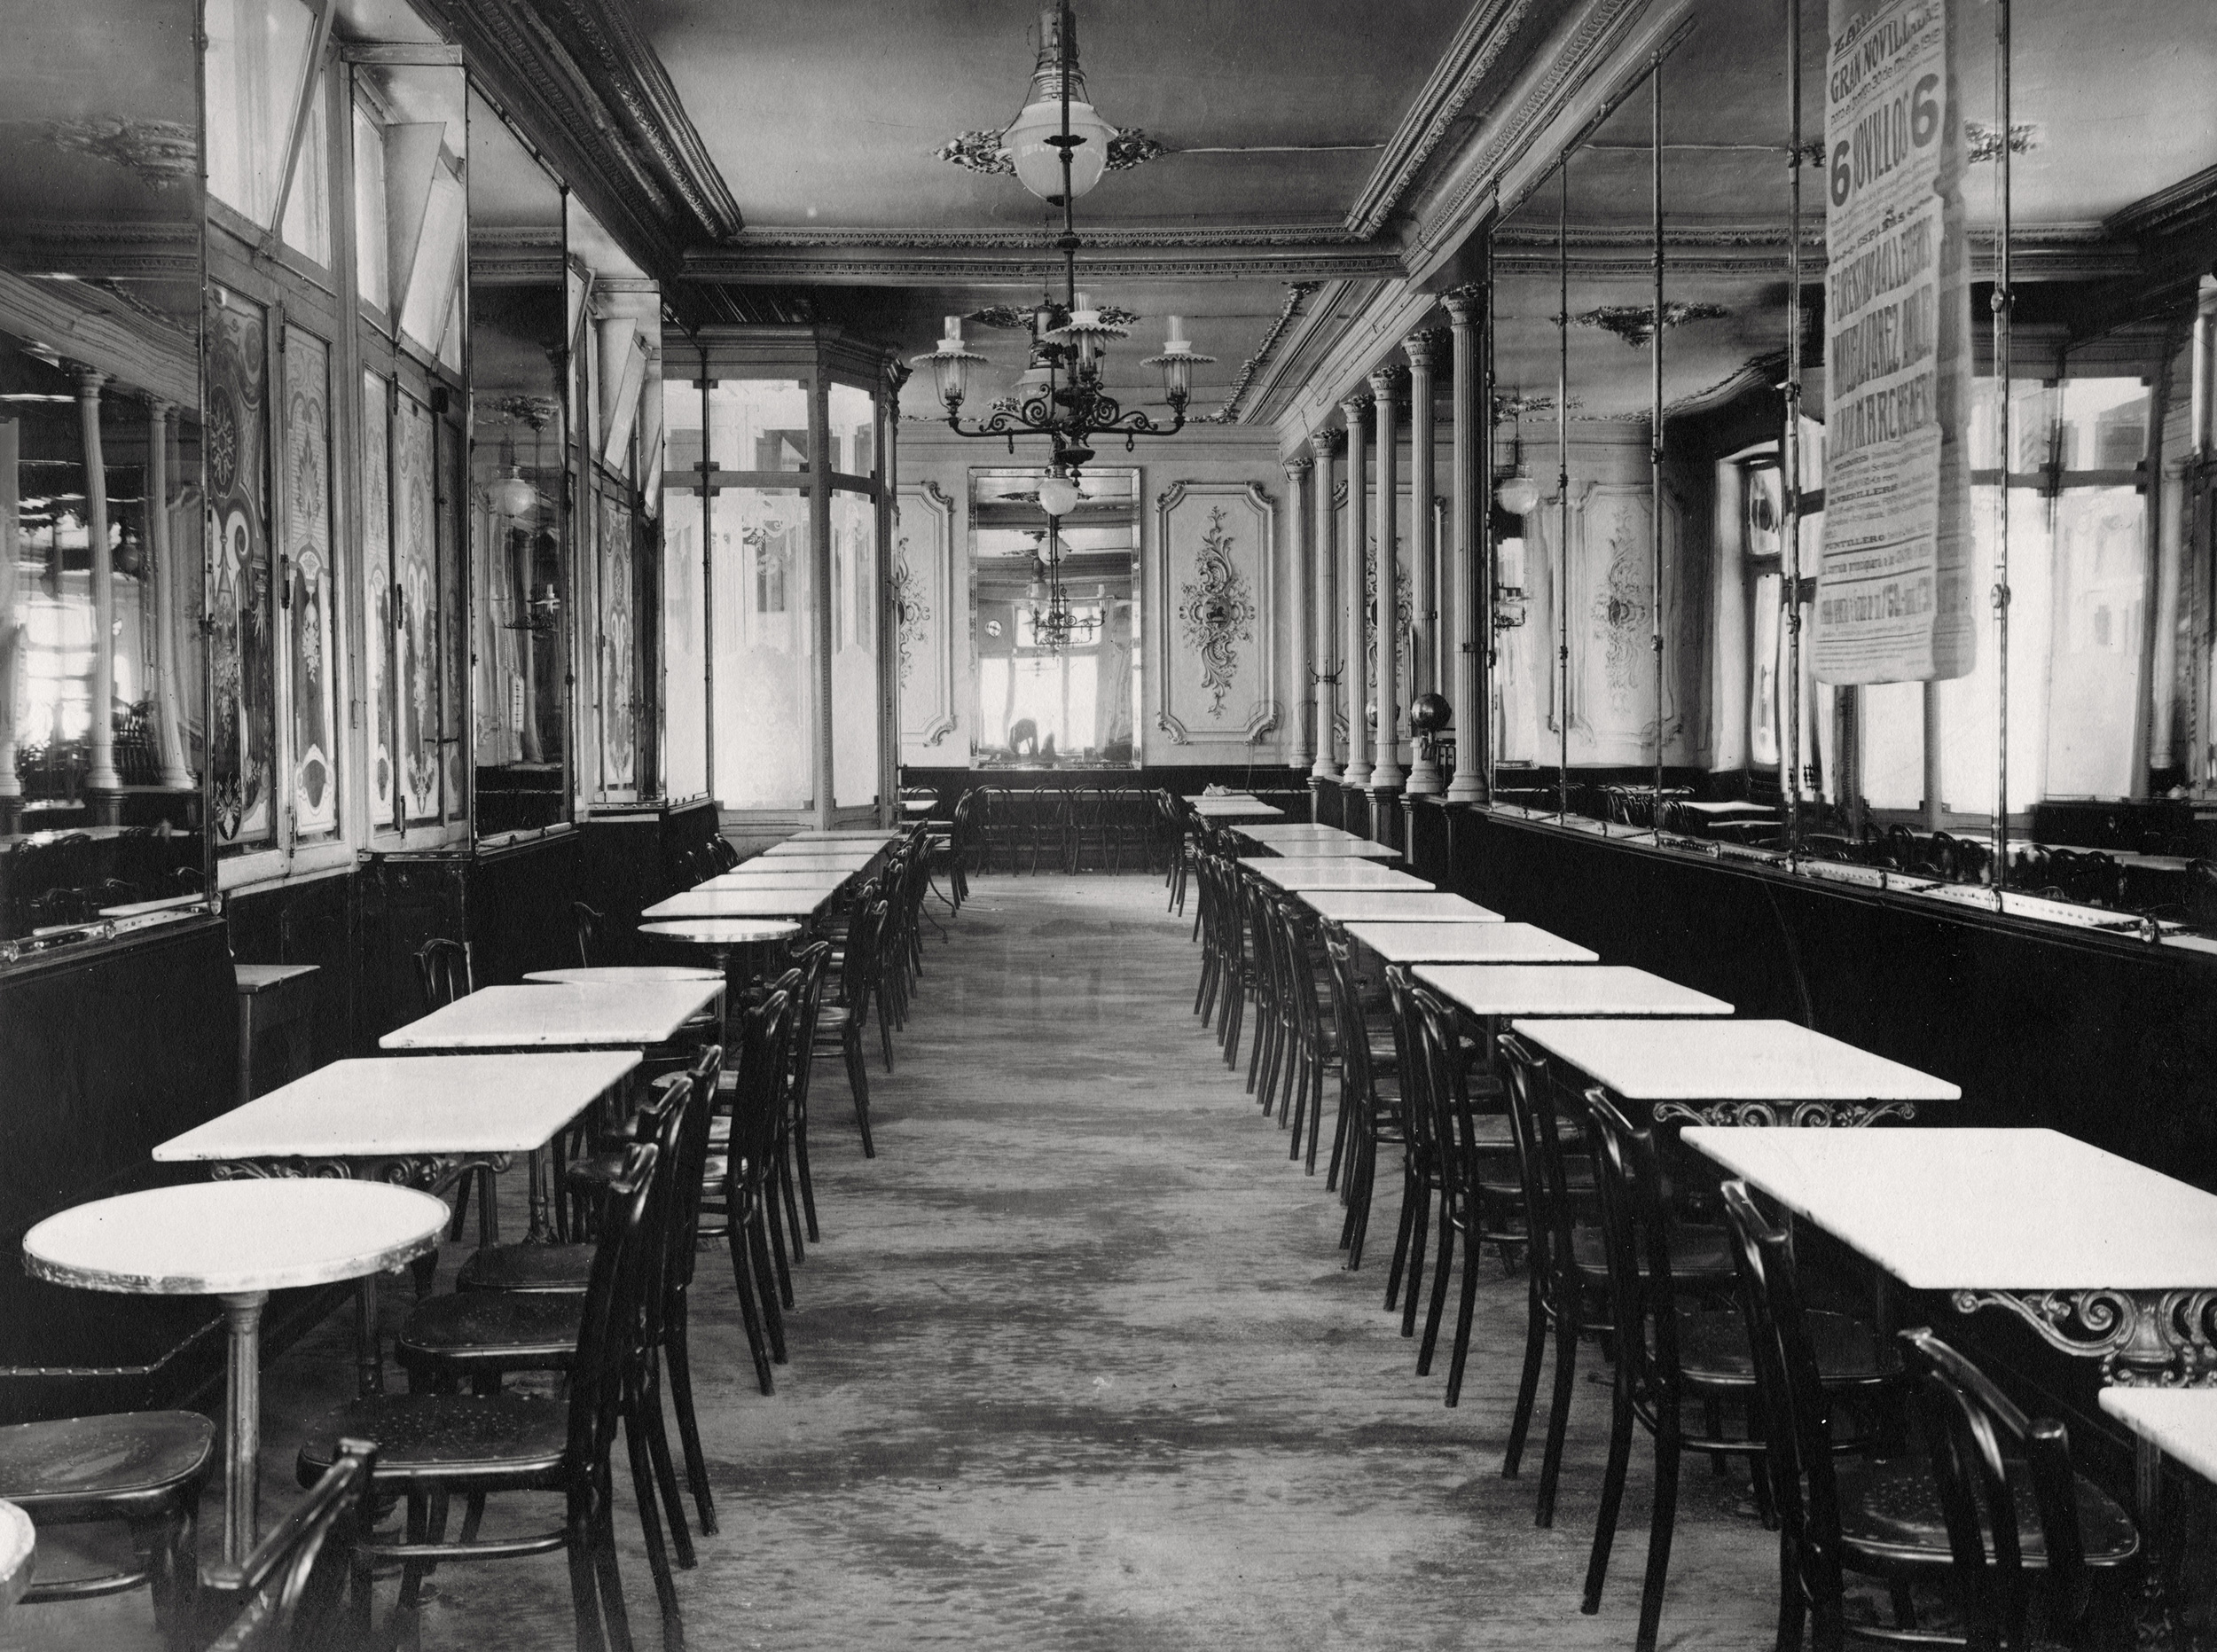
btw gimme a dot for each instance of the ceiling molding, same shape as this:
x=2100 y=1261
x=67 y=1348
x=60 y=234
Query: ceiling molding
x=1026 y=267
x=1305 y=343
x=1391 y=311
x=117 y=249
x=1477 y=47
x=782 y=238
x=133 y=349
x=1298 y=295
x=585 y=85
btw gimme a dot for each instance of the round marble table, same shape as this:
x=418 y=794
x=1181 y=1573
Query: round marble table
x=726 y=938
x=238 y=1240
x=19 y=1546
x=621 y=975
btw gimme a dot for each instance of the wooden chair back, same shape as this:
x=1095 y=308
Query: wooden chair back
x=294 y=1582
x=444 y=971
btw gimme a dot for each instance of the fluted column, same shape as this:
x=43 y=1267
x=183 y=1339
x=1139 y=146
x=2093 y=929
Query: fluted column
x=167 y=729
x=1295 y=561
x=1425 y=603
x=1329 y=631
x=1469 y=601
x=1386 y=774
x=100 y=693
x=1350 y=583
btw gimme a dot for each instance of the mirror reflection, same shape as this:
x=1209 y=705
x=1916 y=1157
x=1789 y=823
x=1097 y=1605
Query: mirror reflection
x=104 y=726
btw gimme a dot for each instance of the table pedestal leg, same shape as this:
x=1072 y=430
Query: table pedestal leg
x=242 y=1444
x=369 y=1360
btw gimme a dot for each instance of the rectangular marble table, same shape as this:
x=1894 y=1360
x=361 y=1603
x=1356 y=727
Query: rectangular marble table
x=1336 y=872
x=788 y=865
x=763 y=901
x=1395 y=906
x=1725 y=1071
x=744 y=878
x=2103 y=1258
x=1354 y=849
x=1468 y=944
x=822 y=849
x=1299 y=831
x=877 y=836
x=1497 y=989
x=569 y=1015
x=1236 y=808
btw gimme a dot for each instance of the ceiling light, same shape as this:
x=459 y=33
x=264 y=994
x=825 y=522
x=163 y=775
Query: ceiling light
x=1034 y=139
x=1518 y=494
x=1058 y=493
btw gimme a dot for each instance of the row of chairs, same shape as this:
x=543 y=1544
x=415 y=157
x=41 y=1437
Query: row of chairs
x=1706 y=1323
x=1071 y=828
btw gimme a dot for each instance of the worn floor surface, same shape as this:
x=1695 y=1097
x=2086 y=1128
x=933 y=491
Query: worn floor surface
x=1076 y=1366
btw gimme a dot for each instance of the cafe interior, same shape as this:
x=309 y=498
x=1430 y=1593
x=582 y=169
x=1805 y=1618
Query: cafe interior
x=1477 y=740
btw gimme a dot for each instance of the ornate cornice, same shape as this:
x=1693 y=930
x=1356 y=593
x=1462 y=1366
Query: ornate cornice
x=583 y=81
x=1026 y=267
x=1298 y=295
x=1478 y=43
x=780 y=237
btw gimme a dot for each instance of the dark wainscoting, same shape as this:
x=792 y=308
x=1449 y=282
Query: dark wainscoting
x=633 y=860
x=311 y=921
x=2106 y=1039
x=104 y=1054
x=1186 y=781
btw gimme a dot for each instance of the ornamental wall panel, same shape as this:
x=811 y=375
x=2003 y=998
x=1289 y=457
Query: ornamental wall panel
x=926 y=607
x=1215 y=626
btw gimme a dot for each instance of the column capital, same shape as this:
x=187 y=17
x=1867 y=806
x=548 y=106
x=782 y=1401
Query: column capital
x=1323 y=444
x=1419 y=348
x=1386 y=379
x=1463 y=303
x=1355 y=404
x=157 y=408
x=1296 y=465
x=90 y=380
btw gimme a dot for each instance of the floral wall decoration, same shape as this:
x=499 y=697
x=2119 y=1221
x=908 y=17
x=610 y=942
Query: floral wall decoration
x=911 y=610
x=1217 y=610
x=242 y=647
x=307 y=584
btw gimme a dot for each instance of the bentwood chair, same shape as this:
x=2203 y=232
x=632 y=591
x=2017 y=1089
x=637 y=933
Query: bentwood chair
x=143 y=1471
x=432 y=1447
x=841 y=1023
x=589 y=930
x=1421 y=1188
x=723 y=852
x=519 y=1313
x=740 y=1177
x=1370 y=1106
x=1672 y=1356
x=293 y=1587
x=445 y=973
x=1996 y=1500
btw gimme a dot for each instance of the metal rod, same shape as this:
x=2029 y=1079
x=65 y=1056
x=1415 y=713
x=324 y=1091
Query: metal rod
x=1489 y=568
x=1654 y=431
x=1563 y=490
x=1791 y=443
x=2004 y=302
x=1070 y=206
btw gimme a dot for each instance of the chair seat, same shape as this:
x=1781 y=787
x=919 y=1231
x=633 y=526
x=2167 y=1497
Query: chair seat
x=1713 y=1348
x=1890 y=1512
x=832 y=1019
x=527 y=1268
x=509 y=1439
x=493 y=1330
x=1699 y=1255
x=46 y=1467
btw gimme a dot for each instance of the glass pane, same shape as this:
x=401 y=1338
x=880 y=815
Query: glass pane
x=765 y=648
x=2105 y=424
x=377 y=600
x=617 y=643
x=855 y=706
x=373 y=254
x=2093 y=679
x=681 y=420
x=454 y=736
x=434 y=267
x=685 y=686
x=307 y=209
x=1969 y=706
x=257 y=52
x=1893 y=716
x=311 y=660
x=853 y=418
x=758 y=424
x=416 y=636
x=244 y=747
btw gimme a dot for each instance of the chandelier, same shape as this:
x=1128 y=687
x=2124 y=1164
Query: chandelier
x=1061 y=395
x=1055 y=625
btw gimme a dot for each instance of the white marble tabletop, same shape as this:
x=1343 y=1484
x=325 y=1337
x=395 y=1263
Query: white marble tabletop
x=1353 y=848
x=1468 y=944
x=722 y=931
x=390 y=1105
x=253 y=978
x=1725 y=809
x=1731 y=1061
x=234 y=1238
x=139 y=909
x=822 y=849
x=1236 y=808
x=783 y=882
x=787 y=865
x=762 y=902
x=19 y=1546
x=620 y=973
x=1395 y=906
x=1330 y=871
x=1299 y=831
x=572 y=1015
x=850 y=834
x=2181 y=1422
x=1545 y=990
x=1983 y=1210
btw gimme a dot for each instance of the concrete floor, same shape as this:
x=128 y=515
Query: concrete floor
x=1076 y=1366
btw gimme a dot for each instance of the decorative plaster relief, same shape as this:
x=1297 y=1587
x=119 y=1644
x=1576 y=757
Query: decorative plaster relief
x=1216 y=647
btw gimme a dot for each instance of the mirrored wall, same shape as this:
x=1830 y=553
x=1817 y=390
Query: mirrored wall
x=1683 y=648
x=105 y=720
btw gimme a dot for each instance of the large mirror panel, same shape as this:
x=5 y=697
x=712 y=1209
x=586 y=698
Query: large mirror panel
x=104 y=714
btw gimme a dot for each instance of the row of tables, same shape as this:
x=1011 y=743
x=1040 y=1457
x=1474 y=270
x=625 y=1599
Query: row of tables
x=2103 y=1258
x=333 y=1177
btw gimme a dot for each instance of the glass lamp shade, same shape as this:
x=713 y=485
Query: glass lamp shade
x=1518 y=494
x=1177 y=362
x=950 y=365
x=1059 y=495
x=513 y=496
x=1038 y=162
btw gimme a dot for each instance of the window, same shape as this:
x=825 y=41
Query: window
x=256 y=64
x=308 y=205
x=372 y=255
x=427 y=307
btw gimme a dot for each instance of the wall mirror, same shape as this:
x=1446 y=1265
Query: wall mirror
x=527 y=308
x=103 y=709
x=1053 y=608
